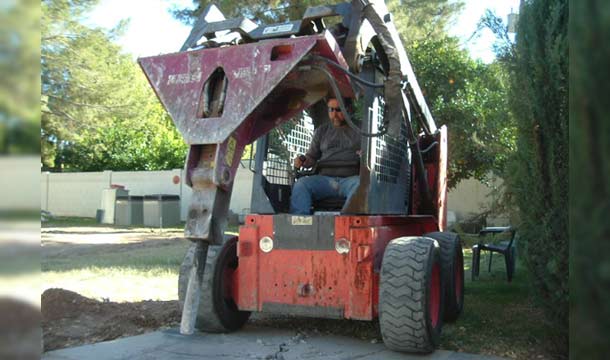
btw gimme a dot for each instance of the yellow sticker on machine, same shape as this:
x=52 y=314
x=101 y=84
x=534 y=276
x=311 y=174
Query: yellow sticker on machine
x=230 y=153
x=302 y=220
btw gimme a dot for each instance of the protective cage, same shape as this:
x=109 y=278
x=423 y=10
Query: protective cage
x=386 y=161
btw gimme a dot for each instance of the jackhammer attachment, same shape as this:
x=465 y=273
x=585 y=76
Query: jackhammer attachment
x=222 y=99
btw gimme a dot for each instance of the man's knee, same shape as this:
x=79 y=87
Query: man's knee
x=302 y=186
x=352 y=185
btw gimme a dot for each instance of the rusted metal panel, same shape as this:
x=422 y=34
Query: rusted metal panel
x=320 y=279
x=221 y=99
x=247 y=271
x=360 y=296
x=252 y=74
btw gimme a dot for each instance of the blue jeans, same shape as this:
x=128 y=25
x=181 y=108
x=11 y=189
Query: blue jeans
x=318 y=187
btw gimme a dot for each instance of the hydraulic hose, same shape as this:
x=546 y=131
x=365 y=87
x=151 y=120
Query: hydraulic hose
x=335 y=88
x=347 y=72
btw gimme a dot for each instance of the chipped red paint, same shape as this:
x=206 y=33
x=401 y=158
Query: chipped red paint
x=346 y=281
x=254 y=76
x=435 y=166
x=263 y=91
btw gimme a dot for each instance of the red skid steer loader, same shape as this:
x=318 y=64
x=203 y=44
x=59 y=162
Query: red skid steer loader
x=380 y=254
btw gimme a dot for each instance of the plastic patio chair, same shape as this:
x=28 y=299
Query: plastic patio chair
x=506 y=248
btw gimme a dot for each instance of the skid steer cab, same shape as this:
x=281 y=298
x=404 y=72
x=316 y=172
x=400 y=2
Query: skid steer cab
x=380 y=254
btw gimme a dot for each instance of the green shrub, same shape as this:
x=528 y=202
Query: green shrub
x=537 y=176
x=589 y=180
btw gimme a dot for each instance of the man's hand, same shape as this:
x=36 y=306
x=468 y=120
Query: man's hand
x=299 y=161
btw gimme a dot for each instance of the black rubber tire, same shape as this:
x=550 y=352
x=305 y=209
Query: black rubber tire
x=452 y=266
x=217 y=313
x=409 y=271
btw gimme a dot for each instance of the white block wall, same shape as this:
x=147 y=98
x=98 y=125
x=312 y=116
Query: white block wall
x=79 y=194
x=19 y=176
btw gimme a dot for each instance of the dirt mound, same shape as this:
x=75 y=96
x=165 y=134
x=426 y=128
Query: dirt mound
x=69 y=319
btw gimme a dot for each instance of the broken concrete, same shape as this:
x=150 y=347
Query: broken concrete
x=249 y=343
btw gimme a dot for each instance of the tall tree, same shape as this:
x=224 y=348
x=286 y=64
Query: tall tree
x=91 y=90
x=419 y=21
x=19 y=77
x=589 y=180
x=470 y=98
x=538 y=174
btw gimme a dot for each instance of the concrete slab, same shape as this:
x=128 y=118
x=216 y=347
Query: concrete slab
x=249 y=343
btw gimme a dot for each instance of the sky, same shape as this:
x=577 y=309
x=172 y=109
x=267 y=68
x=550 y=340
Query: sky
x=153 y=30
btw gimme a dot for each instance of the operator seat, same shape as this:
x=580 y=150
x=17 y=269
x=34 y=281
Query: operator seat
x=329 y=204
x=332 y=204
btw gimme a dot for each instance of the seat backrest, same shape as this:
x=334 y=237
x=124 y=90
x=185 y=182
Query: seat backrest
x=495 y=230
x=329 y=204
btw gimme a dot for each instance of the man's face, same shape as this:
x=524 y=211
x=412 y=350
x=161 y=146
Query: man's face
x=334 y=113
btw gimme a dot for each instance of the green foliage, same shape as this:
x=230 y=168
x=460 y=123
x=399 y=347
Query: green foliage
x=19 y=77
x=423 y=20
x=589 y=180
x=417 y=20
x=98 y=111
x=470 y=98
x=127 y=145
x=538 y=174
x=260 y=12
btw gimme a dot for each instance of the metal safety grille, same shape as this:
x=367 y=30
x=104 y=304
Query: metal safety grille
x=388 y=151
x=285 y=143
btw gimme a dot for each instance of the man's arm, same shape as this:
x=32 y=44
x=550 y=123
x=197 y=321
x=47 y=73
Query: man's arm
x=314 y=152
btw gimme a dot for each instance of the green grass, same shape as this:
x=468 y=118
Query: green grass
x=117 y=271
x=70 y=221
x=73 y=221
x=499 y=317
x=160 y=259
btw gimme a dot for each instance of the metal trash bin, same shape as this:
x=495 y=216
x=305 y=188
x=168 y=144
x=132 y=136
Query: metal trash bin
x=161 y=210
x=129 y=210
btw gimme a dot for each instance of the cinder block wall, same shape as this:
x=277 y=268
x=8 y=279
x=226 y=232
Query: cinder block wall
x=79 y=194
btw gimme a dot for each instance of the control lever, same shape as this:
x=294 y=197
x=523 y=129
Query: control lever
x=303 y=158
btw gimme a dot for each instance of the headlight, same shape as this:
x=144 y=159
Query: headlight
x=266 y=244
x=342 y=246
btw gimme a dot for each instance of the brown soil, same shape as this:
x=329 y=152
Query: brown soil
x=69 y=319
